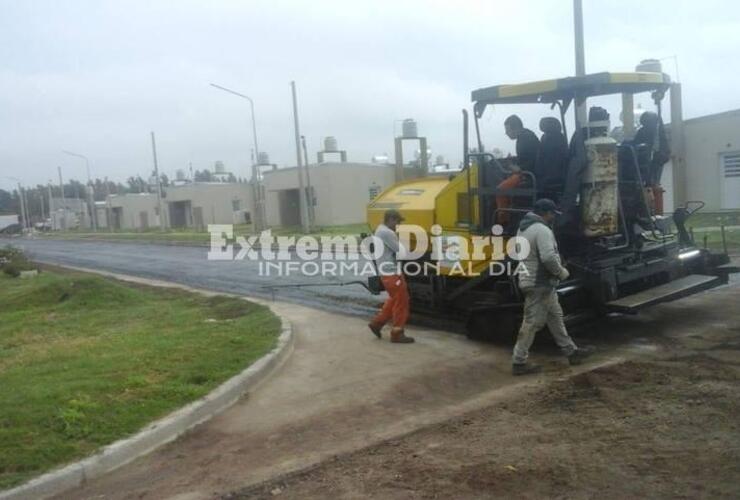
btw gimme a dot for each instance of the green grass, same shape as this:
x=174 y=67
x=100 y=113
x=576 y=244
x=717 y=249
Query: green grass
x=338 y=230
x=714 y=219
x=708 y=224
x=714 y=239
x=85 y=361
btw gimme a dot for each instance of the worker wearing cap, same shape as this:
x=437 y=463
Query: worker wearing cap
x=538 y=279
x=396 y=306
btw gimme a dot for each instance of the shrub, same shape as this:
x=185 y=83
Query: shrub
x=13 y=261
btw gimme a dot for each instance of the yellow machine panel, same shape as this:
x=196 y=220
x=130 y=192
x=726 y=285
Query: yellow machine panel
x=414 y=198
x=454 y=206
x=437 y=200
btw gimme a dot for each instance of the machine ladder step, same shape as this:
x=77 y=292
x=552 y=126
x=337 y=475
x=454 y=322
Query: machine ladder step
x=676 y=289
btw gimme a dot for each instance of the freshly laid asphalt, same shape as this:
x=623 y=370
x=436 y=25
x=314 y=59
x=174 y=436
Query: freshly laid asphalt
x=190 y=266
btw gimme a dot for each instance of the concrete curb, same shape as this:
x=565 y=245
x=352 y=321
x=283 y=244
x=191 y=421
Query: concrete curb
x=161 y=431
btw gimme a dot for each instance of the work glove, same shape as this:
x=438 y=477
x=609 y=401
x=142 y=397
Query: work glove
x=564 y=274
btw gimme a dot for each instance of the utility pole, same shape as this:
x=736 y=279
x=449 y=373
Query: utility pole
x=41 y=201
x=25 y=204
x=61 y=186
x=311 y=215
x=64 y=201
x=580 y=112
x=22 y=206
x=91 y=206
x=162 y=224
x=305 y=224
x=51 y=197
x=108 y=220
x=678 y=147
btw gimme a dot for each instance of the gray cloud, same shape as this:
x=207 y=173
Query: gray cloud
x=96 y=77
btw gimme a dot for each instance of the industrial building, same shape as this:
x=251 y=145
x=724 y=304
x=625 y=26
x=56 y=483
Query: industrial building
x=137 y=211
x=187 y=205
x=201 y=203
x=339 y=192
x=712 y=159
x=68 y=213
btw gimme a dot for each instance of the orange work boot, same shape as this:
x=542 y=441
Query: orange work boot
x=398 y=337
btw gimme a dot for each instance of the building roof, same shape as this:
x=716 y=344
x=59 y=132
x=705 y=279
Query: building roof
x=346 y=164
x=715 y=116
x=121 y=195
x=203 y=184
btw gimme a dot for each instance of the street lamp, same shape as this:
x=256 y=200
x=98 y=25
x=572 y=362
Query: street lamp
x=93 y=212
x=255 y=178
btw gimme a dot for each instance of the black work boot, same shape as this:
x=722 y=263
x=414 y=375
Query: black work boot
x=377 y=330
x=579 y=355
x=399 y=337
x=525 y=369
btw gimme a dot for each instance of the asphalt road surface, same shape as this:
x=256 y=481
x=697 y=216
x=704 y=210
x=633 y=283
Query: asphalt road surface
x=190 y=266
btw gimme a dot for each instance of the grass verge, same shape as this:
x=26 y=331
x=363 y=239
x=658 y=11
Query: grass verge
x=85 y=361
x=714 y=239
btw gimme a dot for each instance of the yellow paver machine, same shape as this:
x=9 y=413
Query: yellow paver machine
x=624 y=254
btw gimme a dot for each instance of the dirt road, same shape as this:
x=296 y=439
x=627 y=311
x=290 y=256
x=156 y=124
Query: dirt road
x=663 y=424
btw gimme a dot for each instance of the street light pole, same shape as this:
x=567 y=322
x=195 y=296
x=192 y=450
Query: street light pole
x=91 y=195
x=24 y=208
x=51 y=203
x=305 y=223
x=311 y=215
x=162 y=224
x=108 y=218
x=580 y=110
x=256 y=188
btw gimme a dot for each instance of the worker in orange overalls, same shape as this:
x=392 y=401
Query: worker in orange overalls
x=396 y=306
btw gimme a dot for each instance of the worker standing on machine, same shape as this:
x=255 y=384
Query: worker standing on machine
x=396 y=306
x=652 y=134
x=544 y=271
x=527 y=149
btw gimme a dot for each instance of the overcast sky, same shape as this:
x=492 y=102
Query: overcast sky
x=96 y=77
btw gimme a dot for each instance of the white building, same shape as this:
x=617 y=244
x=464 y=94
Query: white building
x=712 y=162
x=341 y=192
x=69 y=213
x=135 y=211
x=201 y=203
